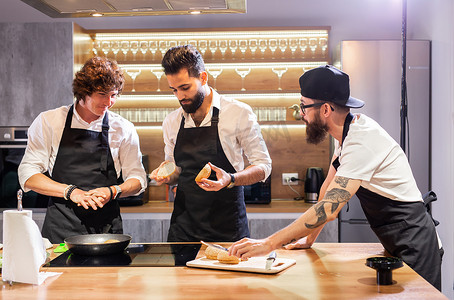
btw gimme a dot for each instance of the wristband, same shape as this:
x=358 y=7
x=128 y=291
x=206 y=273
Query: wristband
x=232 y=181
x=71 y=189
x=111 y=193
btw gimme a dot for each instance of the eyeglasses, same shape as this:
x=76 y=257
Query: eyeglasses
x=303 y=107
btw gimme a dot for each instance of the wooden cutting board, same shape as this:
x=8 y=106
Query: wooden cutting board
x=253 y=264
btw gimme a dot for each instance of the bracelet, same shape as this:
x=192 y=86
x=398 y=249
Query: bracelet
x=111 y=193
x=71 y=189
x=66 y=191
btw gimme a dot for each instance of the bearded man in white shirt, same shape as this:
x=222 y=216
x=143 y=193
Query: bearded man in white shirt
x=208 y=128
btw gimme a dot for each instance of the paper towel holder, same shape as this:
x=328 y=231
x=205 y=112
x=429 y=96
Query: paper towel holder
x=19 y=199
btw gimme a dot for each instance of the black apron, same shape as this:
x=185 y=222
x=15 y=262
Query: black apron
x=405 y=229
x=198 y=214
x=83 y=159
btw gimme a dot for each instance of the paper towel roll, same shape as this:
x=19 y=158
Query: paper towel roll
x=23 y=248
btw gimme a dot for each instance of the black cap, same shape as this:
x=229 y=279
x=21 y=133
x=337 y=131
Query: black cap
x=328 y=84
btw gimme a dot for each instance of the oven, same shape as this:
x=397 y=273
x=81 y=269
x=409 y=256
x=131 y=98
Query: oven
x=13 y=141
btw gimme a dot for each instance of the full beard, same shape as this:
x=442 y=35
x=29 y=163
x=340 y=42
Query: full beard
x=196 y=102
x=316 y=131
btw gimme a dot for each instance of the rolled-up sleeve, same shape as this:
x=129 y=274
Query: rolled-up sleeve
x=251 y=141
x=130 y=158
x=38 y=151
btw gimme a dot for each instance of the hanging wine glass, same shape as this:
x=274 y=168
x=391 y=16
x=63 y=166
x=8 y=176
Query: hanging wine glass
x=96 y=46
x=105 y=47
x=115 y=46
x=279 y=71
x=263 y=44
x=242 y=45
x=125 y=47
x=273 y=46
x=243 y=72
x=215 y=72
x=303 y=45
x=213 y=45
x=134 y=46
x=203 y=46
x=233 y=45
x=283 y=46
x=172 y=44
x=323 y=42
x=133 y=74
x=158 y=73
x=143 y=48
x=293 y=45
x=313 y=45
x=163 y=47
x=223 y=45
x=253 y=44
x=153 y=48
x=192 y=43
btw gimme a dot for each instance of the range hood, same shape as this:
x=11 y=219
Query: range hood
x=117 y=8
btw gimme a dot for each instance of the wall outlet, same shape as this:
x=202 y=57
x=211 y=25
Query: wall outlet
x=286 y=178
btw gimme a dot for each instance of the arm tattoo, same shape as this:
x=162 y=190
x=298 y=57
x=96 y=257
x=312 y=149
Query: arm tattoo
x=321 y=215
x=334 y=197
x=342 y=181
x=337 y=196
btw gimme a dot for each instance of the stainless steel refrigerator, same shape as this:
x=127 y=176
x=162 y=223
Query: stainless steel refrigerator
x=375 y=74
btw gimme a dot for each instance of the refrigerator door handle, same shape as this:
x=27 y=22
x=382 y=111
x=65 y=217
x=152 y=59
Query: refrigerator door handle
x=355 y=221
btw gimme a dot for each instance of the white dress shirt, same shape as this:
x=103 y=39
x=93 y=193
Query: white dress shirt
x=44 y=137
x=239 y=133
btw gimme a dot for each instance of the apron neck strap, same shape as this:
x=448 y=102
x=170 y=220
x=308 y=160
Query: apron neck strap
x=348 y=120
x=104 y=142
x=214 y=118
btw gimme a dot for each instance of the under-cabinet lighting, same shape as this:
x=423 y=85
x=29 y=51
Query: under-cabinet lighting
x=254 y=65
x=129 y=97
x=267 y=126
x=210 y=35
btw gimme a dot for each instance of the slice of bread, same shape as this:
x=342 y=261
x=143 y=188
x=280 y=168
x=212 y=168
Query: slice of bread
x=167 y=169
x=204 y=173
x=212 y=253
x=225 y=258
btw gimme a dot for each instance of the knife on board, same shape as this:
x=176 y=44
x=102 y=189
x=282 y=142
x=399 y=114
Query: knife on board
x=270 y=260
x=214 y=246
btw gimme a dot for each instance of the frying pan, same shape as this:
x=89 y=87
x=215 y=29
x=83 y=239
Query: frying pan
x=94 y=244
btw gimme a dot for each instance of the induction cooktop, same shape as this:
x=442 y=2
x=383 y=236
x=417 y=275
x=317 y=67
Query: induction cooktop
x=135 y=255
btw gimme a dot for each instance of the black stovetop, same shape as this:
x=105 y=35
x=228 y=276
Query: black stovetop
x=136 y=255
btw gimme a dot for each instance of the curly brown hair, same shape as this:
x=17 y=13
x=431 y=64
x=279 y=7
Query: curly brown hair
x=99 y=74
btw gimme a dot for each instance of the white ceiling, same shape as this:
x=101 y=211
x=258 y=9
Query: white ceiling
x=85 y=8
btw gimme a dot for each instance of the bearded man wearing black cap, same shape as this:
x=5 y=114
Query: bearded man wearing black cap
x=366 y=162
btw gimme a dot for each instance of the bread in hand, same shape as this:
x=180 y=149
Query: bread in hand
x=204 y=173
x=166 y=169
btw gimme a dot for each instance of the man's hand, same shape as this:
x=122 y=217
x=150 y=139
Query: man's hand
x=223 y=179
x=246 y=248
x=93 y=198
x=159 y=179
x=300 y=244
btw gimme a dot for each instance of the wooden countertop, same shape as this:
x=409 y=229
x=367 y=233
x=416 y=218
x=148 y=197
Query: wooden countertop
x=276 y=206
x=326 y=271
